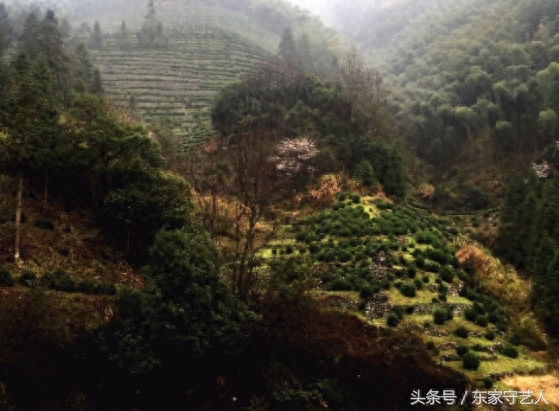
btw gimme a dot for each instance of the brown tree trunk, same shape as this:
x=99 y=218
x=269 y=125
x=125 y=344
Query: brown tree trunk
x=18 y=215
x=46 y=194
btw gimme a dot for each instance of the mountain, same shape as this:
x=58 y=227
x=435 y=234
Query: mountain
x=207 y=46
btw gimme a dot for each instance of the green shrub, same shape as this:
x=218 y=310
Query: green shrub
x=430 y=345
x=426 y=237
x=490 y=335
x=488 y=382
x=47 y=280
x=462 y=349
x=366 y=292
x=63 y=281
x=480 y=309
x=407 y=290
x=434 y=300
x=446 y=274
x=314 y=248
x=461 y=332
x=392 y=320
x=385 y=284
x=356 y=198
x=470 y=361
x=86 y=287
x=440 y=316
x=425 y=279
x=470 y=314
x=412 y=271
x=482 y=320
x=28 y=278
x=510 y=351
x=6 y=279
x=477 y=347
x=105 y=288
x=44 y=224
x=515 y=339
x=340 y=284
x=418 y=284
x=442 y=297
x=432 y=267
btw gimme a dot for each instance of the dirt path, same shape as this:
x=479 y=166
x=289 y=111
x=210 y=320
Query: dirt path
x=548 y=383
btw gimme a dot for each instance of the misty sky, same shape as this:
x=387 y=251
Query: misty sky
x=319 y=7
x=323 y=8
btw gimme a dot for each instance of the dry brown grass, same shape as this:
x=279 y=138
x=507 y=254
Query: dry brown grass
x=505 y=285
x=501 y=280
x=549 y=384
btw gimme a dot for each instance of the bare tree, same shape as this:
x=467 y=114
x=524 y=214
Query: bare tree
x=255 y=185
x=365 y=88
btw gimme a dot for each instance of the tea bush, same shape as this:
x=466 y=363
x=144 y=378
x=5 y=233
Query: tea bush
x=470 y=361
x=6 y=279
x=461 y=332
x=28 y=278
x=462 y=349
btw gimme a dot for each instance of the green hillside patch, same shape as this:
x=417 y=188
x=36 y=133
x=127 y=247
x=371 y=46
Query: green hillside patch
x=180 y=81
x=396 y=266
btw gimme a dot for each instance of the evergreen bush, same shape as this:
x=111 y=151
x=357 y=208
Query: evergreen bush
x=510 y=351
x=28 y=278
x=490 y=335
x=482 y=320
x=6 y=279
x=461 y=332
x=440 y=316
x=392 y=320
x=462 y=349
x=446 y=274
x=44 y=224
x=470 y=361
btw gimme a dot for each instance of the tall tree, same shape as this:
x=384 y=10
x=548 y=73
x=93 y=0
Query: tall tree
x=151 y=34
x=32 y=131
x=82 y=69
x=5 y=29
x=124 y=37
x=288 y=50
x=96 y=40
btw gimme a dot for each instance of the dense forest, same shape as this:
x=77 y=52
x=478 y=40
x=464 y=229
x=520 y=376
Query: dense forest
x=221 y=205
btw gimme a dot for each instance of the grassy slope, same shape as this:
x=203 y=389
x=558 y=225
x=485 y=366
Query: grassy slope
x=500 y=282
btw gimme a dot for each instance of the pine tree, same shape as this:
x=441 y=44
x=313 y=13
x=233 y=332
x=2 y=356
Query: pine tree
x=5 y=29
x=96 y=40
x=124 y=37
x=288 y=50
x=151 y=33
x=32 y=141
x=545 y=294
x=82 y=70
x=96 y=86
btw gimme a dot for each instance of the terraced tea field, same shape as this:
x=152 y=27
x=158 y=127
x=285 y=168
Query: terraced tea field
x=397 y=265
x=180 y=81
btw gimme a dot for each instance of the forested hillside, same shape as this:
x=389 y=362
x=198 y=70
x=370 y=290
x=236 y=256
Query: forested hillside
x=465 y=72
